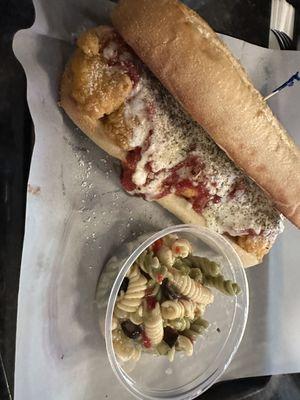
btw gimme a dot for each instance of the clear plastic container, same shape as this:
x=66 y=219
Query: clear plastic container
x=186 y=377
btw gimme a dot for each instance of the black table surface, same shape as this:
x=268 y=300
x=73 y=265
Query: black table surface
x=245 y=19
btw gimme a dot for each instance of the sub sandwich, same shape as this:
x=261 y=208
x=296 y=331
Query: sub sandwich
x=159 y=91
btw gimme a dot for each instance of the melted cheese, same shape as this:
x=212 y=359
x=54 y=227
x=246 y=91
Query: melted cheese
x=174 y=138
x=135 y=108
x=110 y=51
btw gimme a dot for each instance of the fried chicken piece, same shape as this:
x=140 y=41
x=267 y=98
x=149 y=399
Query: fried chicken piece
x=119 y=128
x=97 y=88
x=255 y=244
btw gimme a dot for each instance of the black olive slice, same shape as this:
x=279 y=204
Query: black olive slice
x=124 y=285
x=130 y=329
x=169 y=291
x=170 y=336
x=147 y=276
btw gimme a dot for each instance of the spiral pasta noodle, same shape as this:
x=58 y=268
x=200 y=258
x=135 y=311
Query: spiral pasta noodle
x=151 y=265
x=126 y=351
x=181 y=248
x=186 y=268
x=196 y=328
x=196 y=274
x=180 y=324
x=124 y=348
x=161 y=302
x=199 y=310
x=150 y=262
x=182 y=266
x=165 y=350
x=118 y=313
x=132 y=299
x=153 y=324
x=207 y=267
x=165 y=256
x=189 y=308
x=168 y=240
x=137 y=317
x=185 y=344
x=173 y=309
x=199 y=325
x=225 y=286
x=192 y=289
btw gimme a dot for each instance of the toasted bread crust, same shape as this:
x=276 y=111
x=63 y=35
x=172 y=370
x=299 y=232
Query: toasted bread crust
x=199 y=70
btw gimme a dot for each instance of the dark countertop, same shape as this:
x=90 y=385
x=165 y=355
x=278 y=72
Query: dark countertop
x=245 y=19
x=15 y=149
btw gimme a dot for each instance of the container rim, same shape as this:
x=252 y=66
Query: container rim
x=217 y=368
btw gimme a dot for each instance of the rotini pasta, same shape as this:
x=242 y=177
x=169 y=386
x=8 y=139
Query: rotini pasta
x=180 y=324
x=120 y=314
x=189 y=308
x=184 y=344
x=193 y=290
x=196 y=328
x=199 y=324
x=153 y=324
x=151 y=262
x=199 y=310
x=161 y=305
x=181 y=248
x=173 y=309
x=153 y=287
x=207 y=267
x=151 y=265
x=196 y=274
x=225 y=286
x=186 y=268
x=131 y=300
x=164 y=350
x=182 y=267
x=165 y=256
x=168 y=240
x=125 y=349
x=137 y=317
x=171 y=354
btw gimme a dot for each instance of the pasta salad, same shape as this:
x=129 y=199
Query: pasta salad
x=162 y=300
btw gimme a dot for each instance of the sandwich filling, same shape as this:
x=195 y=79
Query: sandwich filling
x=169 y=153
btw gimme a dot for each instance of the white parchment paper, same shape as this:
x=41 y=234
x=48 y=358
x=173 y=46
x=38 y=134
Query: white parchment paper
x=77 y=214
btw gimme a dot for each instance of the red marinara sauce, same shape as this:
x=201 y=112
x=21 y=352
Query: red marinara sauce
x=129 y=67
x=177 y=182
x=183 y=182
x=129 y=166
x=146 y=340
x=156 y=246
x=151 y=302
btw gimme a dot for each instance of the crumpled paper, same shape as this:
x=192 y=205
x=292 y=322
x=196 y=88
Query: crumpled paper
x=77 y=214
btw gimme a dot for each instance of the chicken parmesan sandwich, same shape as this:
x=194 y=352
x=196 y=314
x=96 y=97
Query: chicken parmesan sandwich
x=162 y=93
